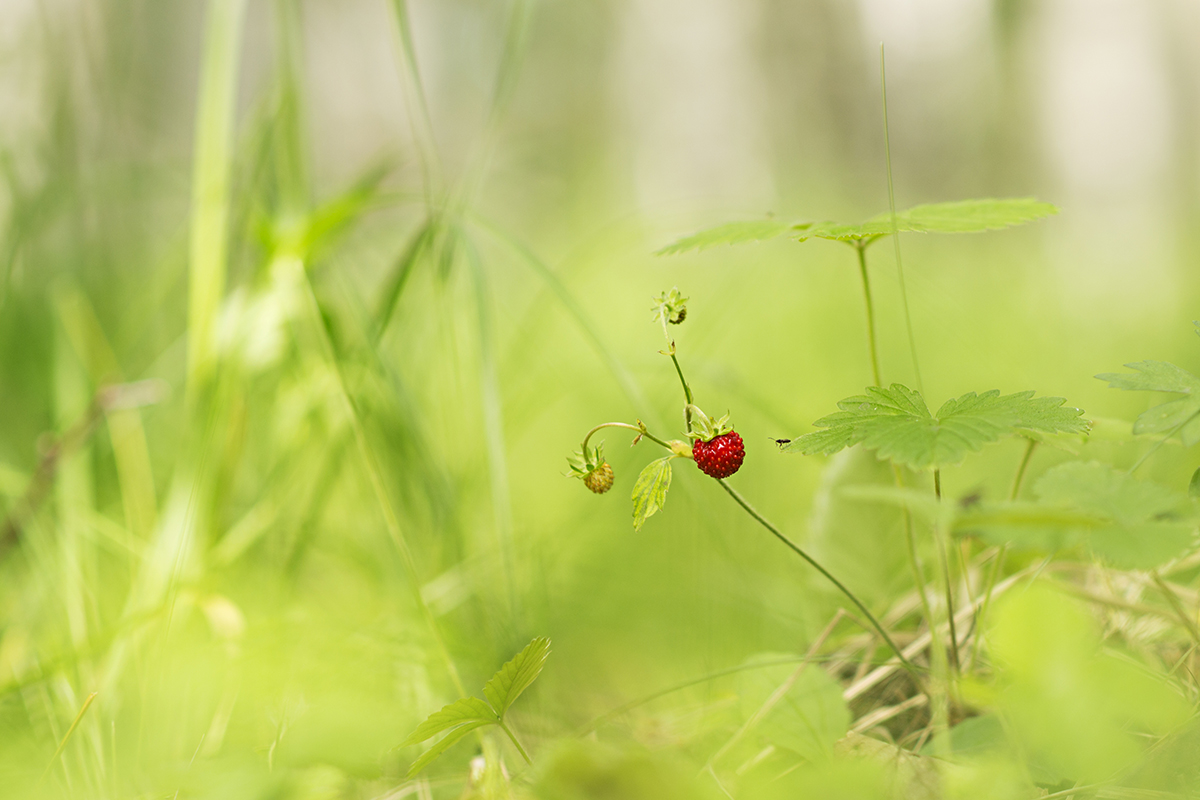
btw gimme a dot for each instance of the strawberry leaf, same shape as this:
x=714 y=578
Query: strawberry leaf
x=1181 y=415
x=431 y=755
x=963 y=216
x=729 y=233
x=650 y=490
x=897 y=424
x=461 y=712
x=516 y=676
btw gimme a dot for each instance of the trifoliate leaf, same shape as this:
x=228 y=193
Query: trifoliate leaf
x=897 y=424
x=460 y=712
x=1182 y=414
x=729 y=233
x=650 y=491
x=964 y=216
x=515 y=676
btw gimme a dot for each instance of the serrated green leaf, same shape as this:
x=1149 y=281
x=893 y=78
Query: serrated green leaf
x=516 y=676
x=444 y=744
x=465 y=711
x=729 y=233
x=1182 y=415
x=974 y=216
x=650 y=490
x=963 y=216
x=897 y=424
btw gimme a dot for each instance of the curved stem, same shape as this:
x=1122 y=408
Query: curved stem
x=741 y=501
x=866 y=284
x=626 y=425
x=513 y=738
x=937 y=647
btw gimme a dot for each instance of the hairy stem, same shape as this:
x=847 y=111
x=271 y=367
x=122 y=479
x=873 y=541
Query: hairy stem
x=861 y=249
x=741 y=501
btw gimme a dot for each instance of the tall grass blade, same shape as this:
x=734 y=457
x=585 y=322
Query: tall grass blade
x=211 y=173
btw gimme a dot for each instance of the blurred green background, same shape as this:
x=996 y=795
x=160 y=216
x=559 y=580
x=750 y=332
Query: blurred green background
x=386 y=263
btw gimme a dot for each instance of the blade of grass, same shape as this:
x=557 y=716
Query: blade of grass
x=212 y=167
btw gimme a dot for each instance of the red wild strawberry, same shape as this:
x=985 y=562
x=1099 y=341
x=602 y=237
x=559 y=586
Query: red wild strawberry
x=721 y=456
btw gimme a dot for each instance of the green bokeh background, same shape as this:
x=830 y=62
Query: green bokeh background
x=292 y=664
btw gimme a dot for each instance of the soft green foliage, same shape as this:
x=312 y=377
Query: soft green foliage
x=1115 y=518
x=897 y=423
x=1080 y=713
x=516 y=676
x=965 y=216
x=650 y=490
x=470 y=713
x=1141 y=525
x=729 y=233
x=809 y=717
x=1180 y=416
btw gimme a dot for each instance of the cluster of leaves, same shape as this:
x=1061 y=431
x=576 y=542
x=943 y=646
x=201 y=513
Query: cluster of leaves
x=470 y=713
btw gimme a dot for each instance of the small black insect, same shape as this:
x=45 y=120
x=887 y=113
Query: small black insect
x=780 y=442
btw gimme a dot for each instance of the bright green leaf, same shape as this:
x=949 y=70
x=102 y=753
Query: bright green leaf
x=444 y=744
x=516 y=676
x=897 y=424
x=964 y=216
x=729 y=233
x=460 y=712
x=650 y=490
x=1182 y=414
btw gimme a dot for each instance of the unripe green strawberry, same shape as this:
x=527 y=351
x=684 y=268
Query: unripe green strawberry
x=599 y=480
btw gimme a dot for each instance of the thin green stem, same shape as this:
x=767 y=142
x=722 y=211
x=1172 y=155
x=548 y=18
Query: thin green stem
x=687 y=390
x=67 y=736
x=1024 y=465
x=1157 y=445
x=627 y=426
x=861 y=249
x=741 y=501
x=513 y=738
x=1188 y=620
x=948 y=586
x=887 y=149
x=914 y=563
